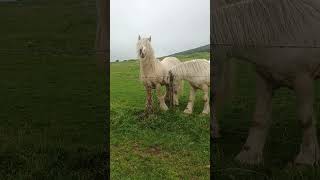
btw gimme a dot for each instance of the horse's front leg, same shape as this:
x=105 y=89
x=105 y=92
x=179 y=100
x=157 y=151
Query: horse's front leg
x=206 y=108
x=252 y=152
x=309 y=149
x=148 y=108
x=189 y=108
x=161 y=98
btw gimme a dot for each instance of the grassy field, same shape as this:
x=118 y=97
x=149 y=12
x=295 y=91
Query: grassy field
x=53 y=104
x=282 y=144
x=167 y=145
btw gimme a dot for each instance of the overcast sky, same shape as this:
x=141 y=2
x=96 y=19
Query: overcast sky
x=175 y=25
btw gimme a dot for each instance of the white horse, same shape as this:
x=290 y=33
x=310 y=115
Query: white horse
x=154 y=73
x=197 y=73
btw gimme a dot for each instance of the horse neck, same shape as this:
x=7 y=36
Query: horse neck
x=148 y=65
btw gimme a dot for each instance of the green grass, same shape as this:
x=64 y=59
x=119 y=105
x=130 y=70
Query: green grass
x=283 y=142
x=52 y=104
x=167 y=145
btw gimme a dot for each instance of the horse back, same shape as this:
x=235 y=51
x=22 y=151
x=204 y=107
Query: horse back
x=169 y=62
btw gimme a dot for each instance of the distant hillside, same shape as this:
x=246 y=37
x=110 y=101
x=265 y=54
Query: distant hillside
x=188 y=54
x=205 y=48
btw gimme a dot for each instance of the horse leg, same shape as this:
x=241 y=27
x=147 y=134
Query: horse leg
x=176 y=89
x=167 y=97
x=309 y=149
x=189 y=108
x=148 y=108
x=161 y=98
x=206 y=108
x=253 y=148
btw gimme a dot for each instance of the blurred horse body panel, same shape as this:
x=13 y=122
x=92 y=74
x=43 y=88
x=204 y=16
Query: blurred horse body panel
x=280 y=38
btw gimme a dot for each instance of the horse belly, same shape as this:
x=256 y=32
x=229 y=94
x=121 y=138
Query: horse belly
x=283 y=65
x=198 y=82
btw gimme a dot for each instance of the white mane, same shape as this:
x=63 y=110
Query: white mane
x=149 y=62
x=198 y=69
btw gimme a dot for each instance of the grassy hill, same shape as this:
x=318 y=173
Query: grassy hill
x=200 y=49
x=192 y=53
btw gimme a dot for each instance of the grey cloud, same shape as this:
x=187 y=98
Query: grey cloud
x=175 y=25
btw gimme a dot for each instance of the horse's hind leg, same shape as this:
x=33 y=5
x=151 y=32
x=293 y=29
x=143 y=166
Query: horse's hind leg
x=309 y=149
x=253 y=148
x=148 y=108
x=167 y=97
x=189 y=108
x=176 y=90
x=206 y=107
x=161 y=98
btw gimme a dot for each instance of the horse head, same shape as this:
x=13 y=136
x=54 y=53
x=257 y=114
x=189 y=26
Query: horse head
x=144 y=47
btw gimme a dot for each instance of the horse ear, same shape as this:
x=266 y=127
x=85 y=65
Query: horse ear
x=149 y=38
x=139 y=37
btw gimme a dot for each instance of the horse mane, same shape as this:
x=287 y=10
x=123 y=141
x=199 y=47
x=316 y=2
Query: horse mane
x=197 y=67
x=149 y=63
x=265 y=22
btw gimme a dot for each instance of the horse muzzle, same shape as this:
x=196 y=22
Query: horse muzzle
x=142 y=55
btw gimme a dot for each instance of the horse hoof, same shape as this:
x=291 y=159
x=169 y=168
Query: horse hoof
x=164 y=108
x=187 y=111
x=205 y=113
